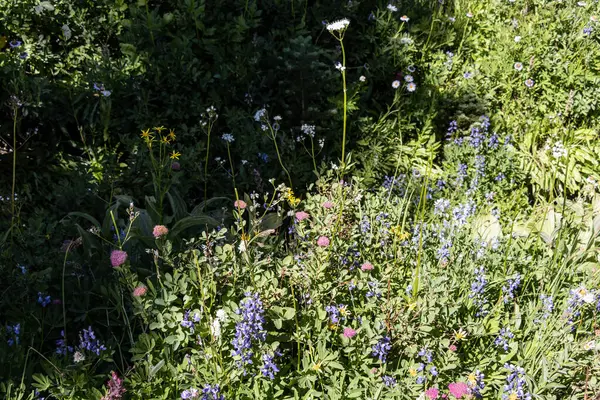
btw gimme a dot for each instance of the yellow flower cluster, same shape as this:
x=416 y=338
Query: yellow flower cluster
x=292 y=200
x=399 y=233
x=151 y=135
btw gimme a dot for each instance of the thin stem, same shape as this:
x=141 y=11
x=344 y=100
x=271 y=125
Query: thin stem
x=14 y=173
x=232 y=171
x=206 y=165
x=273 y=133
x=345 y=108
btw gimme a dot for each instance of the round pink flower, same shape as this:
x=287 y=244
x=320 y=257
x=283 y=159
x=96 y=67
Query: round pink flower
x=140 y=291
x=323 y=241
x=328 y=205
x=349 y=333
x=432 y=393
x=458 y=389
x=117 y=257
x=241 y=204
x=301 y=215
x=366 y=266
x=159 y=230
x=452 y=347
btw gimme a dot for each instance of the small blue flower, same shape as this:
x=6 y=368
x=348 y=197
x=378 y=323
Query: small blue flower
x=381 y=349
x=43 y=300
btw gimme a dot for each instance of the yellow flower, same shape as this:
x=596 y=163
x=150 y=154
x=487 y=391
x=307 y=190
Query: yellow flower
x=159 y=129
x=164 y=140
x=245 y=236
x=513 y=396
x=172 y=135
x=175 y=155
x=317 y=367
x=145 y=134
x=460 y=335
x=344 y=311
x=412 y=372
x=472 y=379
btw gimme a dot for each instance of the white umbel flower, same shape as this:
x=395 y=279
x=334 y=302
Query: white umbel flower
x=392 y=8
x=338 y=26
x=215 y=328
x=228 y=137
x=222 y=315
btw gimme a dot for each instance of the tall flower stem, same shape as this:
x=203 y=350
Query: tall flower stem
x=14 y=173
x=274 y=138
x=343 y=165
x=206 y=164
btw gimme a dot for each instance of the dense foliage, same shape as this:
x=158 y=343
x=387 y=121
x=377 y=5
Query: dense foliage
x=299 y=199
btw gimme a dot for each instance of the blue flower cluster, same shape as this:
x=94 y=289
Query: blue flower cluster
x=515 y=384
x=476 y=383
x=334 y=313
x=61 y=345
x=389 y=381
x=426 y=356
x=547 y=307
x=269 y=368
x=43 y=300
x=190 y=323
x=13 y=331
x=503 y=337
x=511 y=286
x=381 y=349
x=88 y=341
x=478 y=291
x=249 y=329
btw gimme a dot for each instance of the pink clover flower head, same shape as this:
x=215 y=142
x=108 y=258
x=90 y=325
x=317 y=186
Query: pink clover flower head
x=458 y=389
x=159 y=231
x=328 y=205
x=140 y=290
x=241 y=204
x=366 y=266
x=452 y=347
x=118 y=258
x=301 y=215
x=115 y=388
x=349 y=333
x=432 y=393
x=323 y=241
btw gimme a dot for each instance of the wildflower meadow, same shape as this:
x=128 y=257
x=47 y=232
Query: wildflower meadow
x=302 y=199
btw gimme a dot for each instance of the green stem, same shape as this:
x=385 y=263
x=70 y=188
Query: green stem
x=345 y=108
x=14 y=174
x=206 y=165
x=232 y=171
x=279 y=155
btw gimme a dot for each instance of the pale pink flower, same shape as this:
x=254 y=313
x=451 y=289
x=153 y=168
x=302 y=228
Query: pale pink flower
x=241 y=204
x=140 y=291
x=366 y=266
x=323 y=241
x=458 y=389
x=160 y=230
x=349 y=333
x=452 y=347
x=328 y=205
x=432 y=393
x=301 y=215
x=117 y=257
x=115 y=387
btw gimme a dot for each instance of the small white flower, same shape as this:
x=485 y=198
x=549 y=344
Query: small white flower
x=277 y=118
x=215 y=328
x=392 y=8
x=396 y=84
x=308 y=130
x=518 y=66
x=406 y=40
x=411 y=68
x=469 y=15
x=339 y=66
x=591 y=345
x=228 y=137
x=244 y=162
x=259 y=115
x=78 y=357
x=242 y=246
x=321 y=142
x=362 y=78
x=588 y=298
x=411 y=87
x=517 y=39
x=338 y=26
x=451 y=19
x=334 y=167
x=581 y=3
x=558 y=150
x=404 y=18
x=408 y=78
